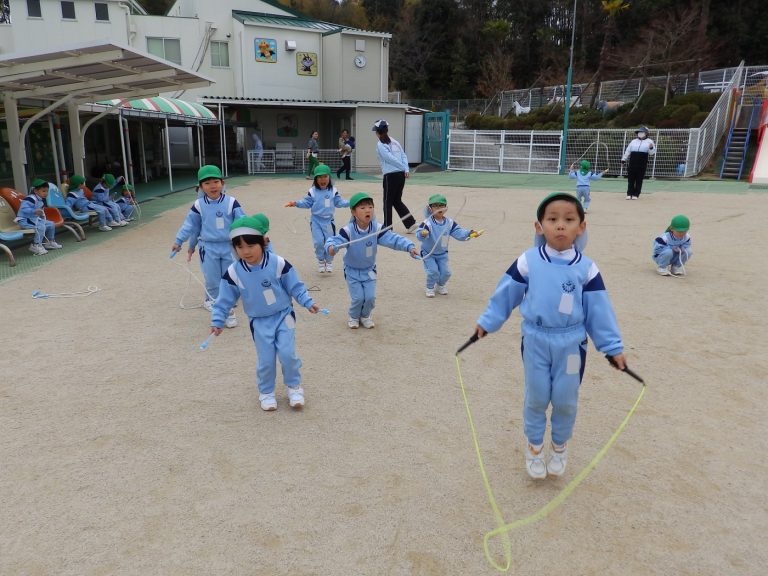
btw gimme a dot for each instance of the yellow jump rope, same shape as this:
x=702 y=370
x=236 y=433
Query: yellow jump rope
x=502 y=527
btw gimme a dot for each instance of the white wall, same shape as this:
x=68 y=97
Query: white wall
x=366 y=139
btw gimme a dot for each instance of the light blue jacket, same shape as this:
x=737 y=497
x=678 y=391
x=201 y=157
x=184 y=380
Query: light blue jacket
x=440 y=231
x=583 y=179
x=362 y=254
x=209 y=220
x=323 y=202
x=27 y=207
x=391 y=157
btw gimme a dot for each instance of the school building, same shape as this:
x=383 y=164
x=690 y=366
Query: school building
x=92 y=86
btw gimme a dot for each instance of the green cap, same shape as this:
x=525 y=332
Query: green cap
x=680 y=223
x=585 y=166
x=256 y=225
x=109 y=179
x=76 y=180
x=322 y=170
x=437 y=199
x=39 y=183
x=208 y=171
x=128 y=187
x=357 y=198
x=558 y=196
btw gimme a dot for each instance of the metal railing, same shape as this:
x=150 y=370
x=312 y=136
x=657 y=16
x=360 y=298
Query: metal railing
x=291 y=161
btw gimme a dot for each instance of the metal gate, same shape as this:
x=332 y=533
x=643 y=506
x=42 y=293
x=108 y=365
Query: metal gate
x=435 y=139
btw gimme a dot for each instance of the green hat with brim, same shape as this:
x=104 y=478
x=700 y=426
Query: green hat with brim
x=585 y=166
x=109 y=179
x=680 y=223
x=75 y=181
x=256 y=225
x=322 y=170
x=558 y=196
x=39 y=183
x=208 y=171
x=128 y=187
x=437 y=199
x=357 y=198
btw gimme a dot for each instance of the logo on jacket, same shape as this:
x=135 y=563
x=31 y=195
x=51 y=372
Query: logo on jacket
x=219 y=213
x=369 y=243
x=568 y=287
x=266 y=283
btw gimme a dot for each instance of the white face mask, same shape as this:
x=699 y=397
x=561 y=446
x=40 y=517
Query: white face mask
x=641 y=135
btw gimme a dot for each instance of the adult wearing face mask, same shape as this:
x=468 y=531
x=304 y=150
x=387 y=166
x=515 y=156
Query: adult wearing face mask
x=636 y=159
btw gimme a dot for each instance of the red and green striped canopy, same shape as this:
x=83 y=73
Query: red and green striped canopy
x=171 y=106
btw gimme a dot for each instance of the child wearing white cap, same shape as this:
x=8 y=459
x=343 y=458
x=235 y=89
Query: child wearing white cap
x=267 y=283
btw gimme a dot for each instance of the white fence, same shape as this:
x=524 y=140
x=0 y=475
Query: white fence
x=291 y=161
x=679 y=152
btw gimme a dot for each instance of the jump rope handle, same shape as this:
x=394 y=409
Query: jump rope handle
x=173 y=253
x=207 y=341
x=325 y=311
x=634 y=375
x=472 y=339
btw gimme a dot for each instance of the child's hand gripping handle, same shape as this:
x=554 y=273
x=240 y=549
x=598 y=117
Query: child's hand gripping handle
x=626 y=369
x=472 y=339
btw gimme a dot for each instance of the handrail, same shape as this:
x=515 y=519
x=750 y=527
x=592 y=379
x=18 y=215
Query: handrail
x=755 y=106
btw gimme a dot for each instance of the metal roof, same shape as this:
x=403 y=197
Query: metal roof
x=92 y=71
x=160 y=107
x=295 y=102
x=298 y=22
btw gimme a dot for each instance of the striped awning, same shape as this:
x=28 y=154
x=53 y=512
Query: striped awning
x=171 y=108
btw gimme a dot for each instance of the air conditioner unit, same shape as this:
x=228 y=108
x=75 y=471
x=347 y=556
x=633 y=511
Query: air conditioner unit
x=290 y=44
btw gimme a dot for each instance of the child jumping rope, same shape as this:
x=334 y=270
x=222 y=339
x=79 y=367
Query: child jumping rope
x=266 y=282
x=208 y=221
x=434 y=233
x=562 y=300
x=322 y=199
x=582 y=176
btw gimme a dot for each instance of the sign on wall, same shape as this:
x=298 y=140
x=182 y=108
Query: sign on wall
x=306 y=63
x=266 y=50
x=287 y=125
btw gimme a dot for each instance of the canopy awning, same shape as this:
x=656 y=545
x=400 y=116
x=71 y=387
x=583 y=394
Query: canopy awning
x=160 y=107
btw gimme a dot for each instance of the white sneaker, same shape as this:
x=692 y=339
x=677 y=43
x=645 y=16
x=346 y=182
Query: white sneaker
x=113 y=224
x=441 y=289
x=557 y=460
x=328 y=267
x=321 y=266
x=628 y=198
x=296 y=398
x=52 y=245
x=353 y=323
x=635 y=197
x=105 y=228
x=268 y=402
x=678 y=270
x=663 y=270
x=37 y=249
x=367 y=322
x=208 y=305
x=534 y=462
x=123 y=222
x=231 y=321
x=430 y=292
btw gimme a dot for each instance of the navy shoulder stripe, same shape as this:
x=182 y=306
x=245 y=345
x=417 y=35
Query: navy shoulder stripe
x=515 y=273
x=661 y=240
x=228 y=278
x=343 y=233
x=195 y=210
x=595 y=284
x=286 y=268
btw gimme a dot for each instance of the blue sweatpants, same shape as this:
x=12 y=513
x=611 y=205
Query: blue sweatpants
x=582 y=193
x=361 y=283
x=44 y=229
x=275 y=337
x=437 y=269
x=321 y=231
x=553 y=362
x=215 y=258
x=667 y=256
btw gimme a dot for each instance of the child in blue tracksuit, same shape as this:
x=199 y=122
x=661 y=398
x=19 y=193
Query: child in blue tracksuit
x=673 y=248
x=208 y=221
x=434 y=234
x=582 y=176
x=562 y=300
x=31 y=215
x=361 y=237
x=266 y=282
x=77 y=200
x=322 y=199
x=127 y=203
x=101 y=195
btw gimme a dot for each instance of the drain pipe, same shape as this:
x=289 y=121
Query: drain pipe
x=129 y=35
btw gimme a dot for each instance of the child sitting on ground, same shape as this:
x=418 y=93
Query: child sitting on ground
x=266 y=282
x=101 y=195
x=31 y=215
x=434 y=234
x=673 y=247
x=208 y=222
x=77 y=200
x=582 y=177
x=322 y=199
x=562 y=300
x=127 y=203
x=361 y=237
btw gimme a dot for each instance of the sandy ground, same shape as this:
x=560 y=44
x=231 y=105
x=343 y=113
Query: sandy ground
x=127 y=450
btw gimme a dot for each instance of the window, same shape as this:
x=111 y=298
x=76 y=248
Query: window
x=102 y=11
x=166 y=48
x=68 y=10
x=220 y=54
x=33 y=9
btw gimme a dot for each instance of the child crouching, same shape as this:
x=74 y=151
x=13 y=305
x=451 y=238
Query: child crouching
x=673 y=247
